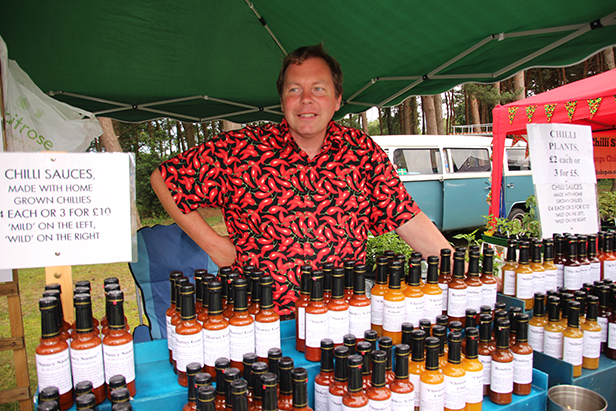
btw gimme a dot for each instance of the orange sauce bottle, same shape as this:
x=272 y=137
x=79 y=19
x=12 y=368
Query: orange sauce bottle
x=592 y=335
x=508 y=270
x=175 y=319
x=267 y=321
x=444 y=277
x=379 y=396
x=432 y=381
x=551 y=270
x=170 y=311
x=413 y=295
x=86 y=349
x=255 y=299
x=485 y=349
x=118 y=351
x=522 y=358
x=300 y=389
x=433 y=294
x=355 y=397
x=338 y=309
x=524 y=277
x=317 y=326
x=489 y=289
x=241 y=326
x=572 y=274
x=222 y=364
x=536 y=264
x=377 y=293
x=553 y=334
x=188 y=335
x=339 y=386
x=325 y=376
x=474 y=286
x=300 y=308
x=359 y=304
x=501 y=374
x=402 y=390
x=536 y=324
x=385 y=344
x=53 y=365
x=215 y=330
x=327 y=281
x=474 y=371
x=285 y=386
x=349 y=268
x=456 y=300
x=394 y=304
x=573 y=339
x=608 y=260
x=417 y=363
x=198 y=275
x=455 y=375
x=595 y=263
x=559 y=259
x=364 y=348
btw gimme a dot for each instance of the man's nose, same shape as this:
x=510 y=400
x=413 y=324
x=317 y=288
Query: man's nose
x=306 y=97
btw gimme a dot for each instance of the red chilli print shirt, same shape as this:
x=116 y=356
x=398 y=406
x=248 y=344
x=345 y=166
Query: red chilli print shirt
x=283 y=210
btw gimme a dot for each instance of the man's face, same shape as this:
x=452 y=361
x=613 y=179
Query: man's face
x=309 y=99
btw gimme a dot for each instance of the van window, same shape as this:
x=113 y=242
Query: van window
x=469 y=160
x=517 y=160
x=417 y=161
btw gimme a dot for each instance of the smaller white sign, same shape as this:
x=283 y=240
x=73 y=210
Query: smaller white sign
x=564 y=178
x=65 y=209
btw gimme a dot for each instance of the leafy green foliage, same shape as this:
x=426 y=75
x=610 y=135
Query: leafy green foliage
x=378 y=245
x=607 y=206
x=528 y=225
x=470 y=238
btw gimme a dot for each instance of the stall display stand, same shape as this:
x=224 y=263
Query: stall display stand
x=16 y=342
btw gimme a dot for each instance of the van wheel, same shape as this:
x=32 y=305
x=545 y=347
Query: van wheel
x=516 y=214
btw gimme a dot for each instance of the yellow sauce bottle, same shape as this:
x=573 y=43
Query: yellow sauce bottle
x=509 y=268
x=592 y=335
x=474 y=371
x=377 y=293
x=455 y=375
x=553 y=335
x=573 y=339
x=524 y=277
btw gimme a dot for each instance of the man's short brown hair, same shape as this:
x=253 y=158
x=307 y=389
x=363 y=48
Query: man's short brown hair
x=307 y=52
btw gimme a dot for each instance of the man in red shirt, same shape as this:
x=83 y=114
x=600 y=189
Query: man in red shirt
x=305 y=191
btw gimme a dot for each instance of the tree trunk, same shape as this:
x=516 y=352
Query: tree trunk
x=190 y=134
x=380 y=120
x=518 y=86
x=496 y=87
x=608 y=56
x=438 y=111
x=388 y=121
x=414 y=115
x=427 y=103
x=111 y=144
x=474 y=113
x=230 y=125
x=364 y=122
x=406 y=116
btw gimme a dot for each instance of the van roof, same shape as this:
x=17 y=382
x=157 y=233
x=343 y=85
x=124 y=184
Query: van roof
x=422 y=140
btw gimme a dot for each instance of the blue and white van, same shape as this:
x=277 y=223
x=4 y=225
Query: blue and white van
x=449 y=176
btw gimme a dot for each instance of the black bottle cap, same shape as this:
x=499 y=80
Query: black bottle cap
x=85 y=401
x=83 y=387
x=49 y=394
x=48 y=406
x=120 y=395
x=203 y=378
x=206 y=393
x=350 y=342
x=117 y=381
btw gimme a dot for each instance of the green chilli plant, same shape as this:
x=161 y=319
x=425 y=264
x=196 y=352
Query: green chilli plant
x=389 y=241
x=607 y=207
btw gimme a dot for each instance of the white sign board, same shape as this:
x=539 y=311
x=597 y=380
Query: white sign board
x=65 y=209
x=564 y=178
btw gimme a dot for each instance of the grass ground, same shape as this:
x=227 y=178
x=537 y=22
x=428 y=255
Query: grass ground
x=31 y=285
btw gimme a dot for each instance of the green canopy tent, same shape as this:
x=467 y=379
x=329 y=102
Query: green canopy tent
x=198 y=60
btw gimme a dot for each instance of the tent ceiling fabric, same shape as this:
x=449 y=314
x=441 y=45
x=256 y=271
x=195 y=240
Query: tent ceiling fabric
x=198 y=60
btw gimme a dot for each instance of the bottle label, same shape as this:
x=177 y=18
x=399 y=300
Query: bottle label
x=119 y=359
x=215 y=345
x=560 y=275
x=524 y=286
x=535 y=337
x=509 y=282
x=595 y=272
x=488 y=294
x=338 y=325
x=432 y=397
x=592 y=344
x=486 y=360
x=376 y=304
x=267 y=335
x=301 y=323
x=393 y=315
x=474 y=387
x=433 y=306
x=402 y=401
x=87 y=365
x=585 y=273
x=539 y=281
x=573 y=350
x=359 y=320
x=445 y=297
x=603 y=323
x=54 y=370
x=415 y=379
x=317 y=328
x=553 y=344
x=414 y=310
x=501 y=377
x=170 y=331
x=321 y=397
x=573 y=278
x=362 y=408
x=455 y=392
x=551 y=280
x=335 y=402
x=384 y=405
x=456 y=304
x=611 y=336
x=609 y=269
x=522 y=368
x=241 y=341
x=474 y=298
x=189 y=349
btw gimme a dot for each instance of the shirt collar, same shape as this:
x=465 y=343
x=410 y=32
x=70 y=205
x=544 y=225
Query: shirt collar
x=333 y=135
